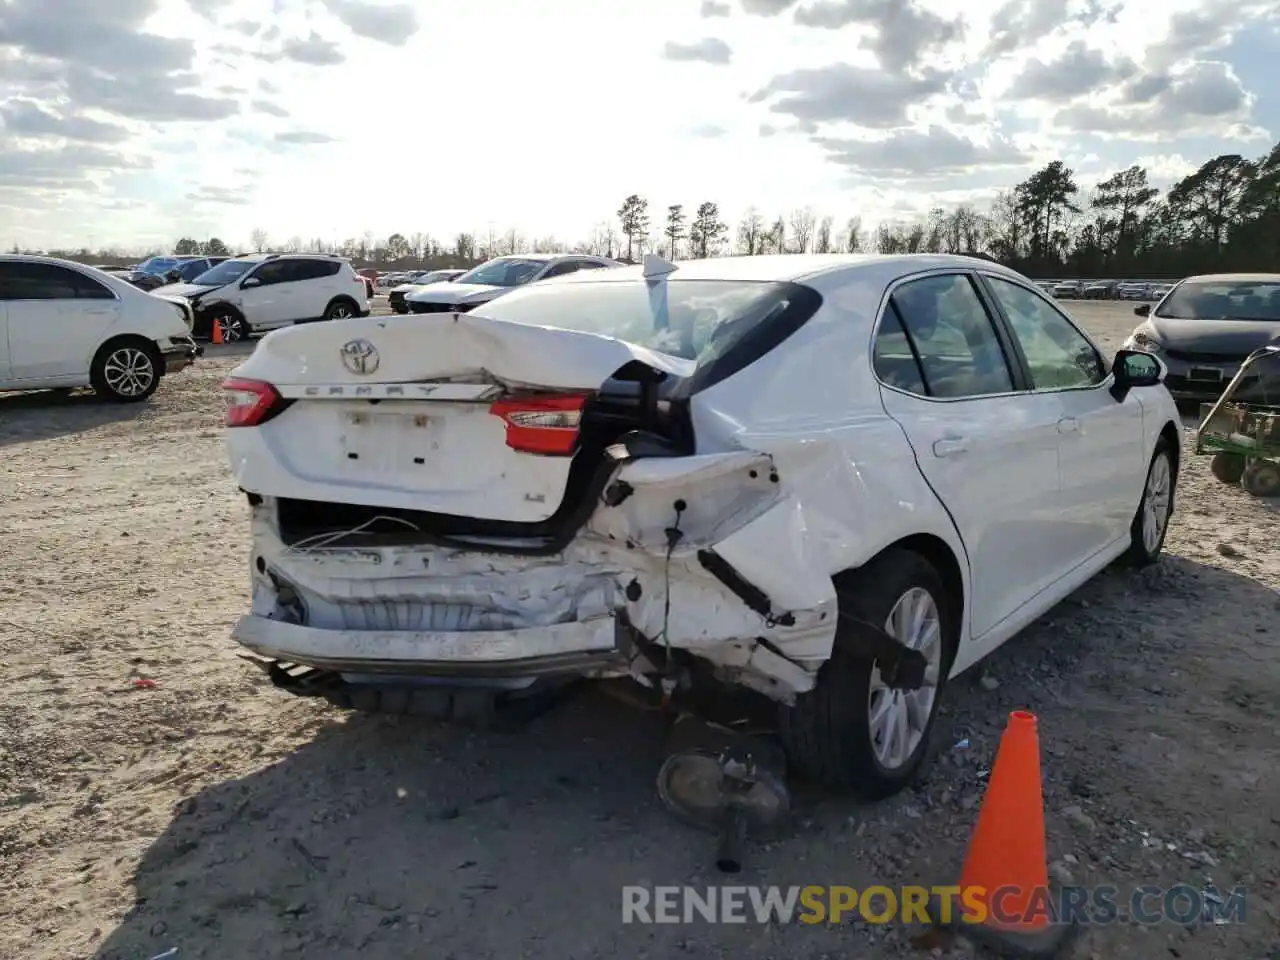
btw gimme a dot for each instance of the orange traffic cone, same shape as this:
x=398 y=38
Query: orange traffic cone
x=215 y=331
x=1005 y=904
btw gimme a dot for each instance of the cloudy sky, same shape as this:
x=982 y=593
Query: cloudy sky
x=133 y=122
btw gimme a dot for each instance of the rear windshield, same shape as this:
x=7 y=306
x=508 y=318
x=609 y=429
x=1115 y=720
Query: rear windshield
x=1223 y=300
x=700 y=320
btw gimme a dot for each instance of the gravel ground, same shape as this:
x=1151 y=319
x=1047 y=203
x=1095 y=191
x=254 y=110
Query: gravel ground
x=212 y=814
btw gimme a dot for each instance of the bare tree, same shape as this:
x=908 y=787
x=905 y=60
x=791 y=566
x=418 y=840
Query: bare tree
x=822 y=242
x=751 y=232
x=853 y=235
x=259 y=240
x=802 y=223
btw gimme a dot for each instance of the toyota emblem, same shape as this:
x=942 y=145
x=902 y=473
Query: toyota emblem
x=360 y=357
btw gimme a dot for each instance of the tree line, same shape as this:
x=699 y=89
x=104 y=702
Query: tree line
x=1224 y=216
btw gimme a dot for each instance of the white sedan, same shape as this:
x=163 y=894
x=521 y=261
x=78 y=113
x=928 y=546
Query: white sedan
x=835 y=480
x=65 y=325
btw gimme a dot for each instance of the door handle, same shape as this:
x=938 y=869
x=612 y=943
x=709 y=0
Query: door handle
x=1068 y=425
x=950 y=447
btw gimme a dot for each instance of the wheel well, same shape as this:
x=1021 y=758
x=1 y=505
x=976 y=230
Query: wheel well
x=938 y=553
x=123 y=338
x=341 y=298
x=224 y=307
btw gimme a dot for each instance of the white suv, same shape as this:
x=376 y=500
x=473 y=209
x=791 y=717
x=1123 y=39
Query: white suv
x=64 y=325
x=254 y=294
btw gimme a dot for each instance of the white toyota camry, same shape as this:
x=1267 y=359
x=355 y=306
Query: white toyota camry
x=835 y=480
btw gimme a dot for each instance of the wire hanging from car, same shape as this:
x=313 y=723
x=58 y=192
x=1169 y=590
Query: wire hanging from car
x=674 y=535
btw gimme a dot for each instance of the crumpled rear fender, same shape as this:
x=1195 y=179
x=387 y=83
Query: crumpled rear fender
x=727 y=555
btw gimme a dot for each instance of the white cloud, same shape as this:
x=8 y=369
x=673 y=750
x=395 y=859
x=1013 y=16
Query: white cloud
x=328 y=118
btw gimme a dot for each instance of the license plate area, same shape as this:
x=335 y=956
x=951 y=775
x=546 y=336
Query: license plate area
x=1208 y=374
x=389 y=442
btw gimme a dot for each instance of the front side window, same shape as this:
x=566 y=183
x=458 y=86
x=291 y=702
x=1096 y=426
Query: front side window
x=952 y=336
x=503 y=272
x=560 y=269
x=274 y=271
x=1058 y=355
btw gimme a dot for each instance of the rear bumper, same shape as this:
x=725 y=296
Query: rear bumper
x=600 y=644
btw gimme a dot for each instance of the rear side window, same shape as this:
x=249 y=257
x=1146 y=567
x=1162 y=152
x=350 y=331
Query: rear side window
x=951 y=336
x=895 y=360
x=46 y=281
x=720 y=326
x=315 y=269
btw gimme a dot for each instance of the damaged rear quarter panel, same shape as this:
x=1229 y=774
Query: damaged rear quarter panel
x=848 y=482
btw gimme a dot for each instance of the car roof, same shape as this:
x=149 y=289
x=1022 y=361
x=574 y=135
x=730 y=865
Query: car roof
x=1236 y=277
x=788 y=267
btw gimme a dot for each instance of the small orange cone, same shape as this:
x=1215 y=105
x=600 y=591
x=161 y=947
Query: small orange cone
x=1006 y=905
x=215 y=331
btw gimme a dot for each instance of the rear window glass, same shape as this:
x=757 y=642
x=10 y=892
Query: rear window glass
x=699 y=320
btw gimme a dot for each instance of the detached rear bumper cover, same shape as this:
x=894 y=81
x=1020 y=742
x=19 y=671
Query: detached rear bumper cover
x=745 y=589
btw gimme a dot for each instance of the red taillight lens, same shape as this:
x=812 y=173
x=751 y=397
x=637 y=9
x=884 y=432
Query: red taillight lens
x=547 y=423
x=249 y=402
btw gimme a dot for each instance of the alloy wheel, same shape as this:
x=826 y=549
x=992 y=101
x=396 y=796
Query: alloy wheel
x=129 y=372
x=898 y=719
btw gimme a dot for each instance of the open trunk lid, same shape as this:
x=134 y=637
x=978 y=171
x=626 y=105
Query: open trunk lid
x=447 y=347
x=459 y=415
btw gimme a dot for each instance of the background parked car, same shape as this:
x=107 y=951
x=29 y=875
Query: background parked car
x=1206 y=326
x=254 y=294
x=1068 y=289
x=63 y=324
x=396 y=295
x=496 y=277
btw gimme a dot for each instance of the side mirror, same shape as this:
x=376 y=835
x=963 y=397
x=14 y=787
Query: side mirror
x=1133 y=368
x=1142 y=311
x=173 y=276
x=250 y=282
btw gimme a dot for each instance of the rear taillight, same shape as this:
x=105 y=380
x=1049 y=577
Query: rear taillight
x=250 y=402
x=545 y=423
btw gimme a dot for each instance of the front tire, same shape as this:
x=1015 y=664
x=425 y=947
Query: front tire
x=850 y=732
x=126 y=371
x=230 y=325
x=1151 y=523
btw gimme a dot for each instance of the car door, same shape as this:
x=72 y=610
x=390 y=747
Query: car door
x=266 y=296
x=986 y=445
x=1102 y=461
x=4 y=337
x=57 y=318
x=318 y=281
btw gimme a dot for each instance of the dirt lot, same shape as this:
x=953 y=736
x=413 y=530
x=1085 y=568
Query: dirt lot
x=215 y=815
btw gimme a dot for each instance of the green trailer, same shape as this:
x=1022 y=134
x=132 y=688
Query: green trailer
x=1244 y=438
